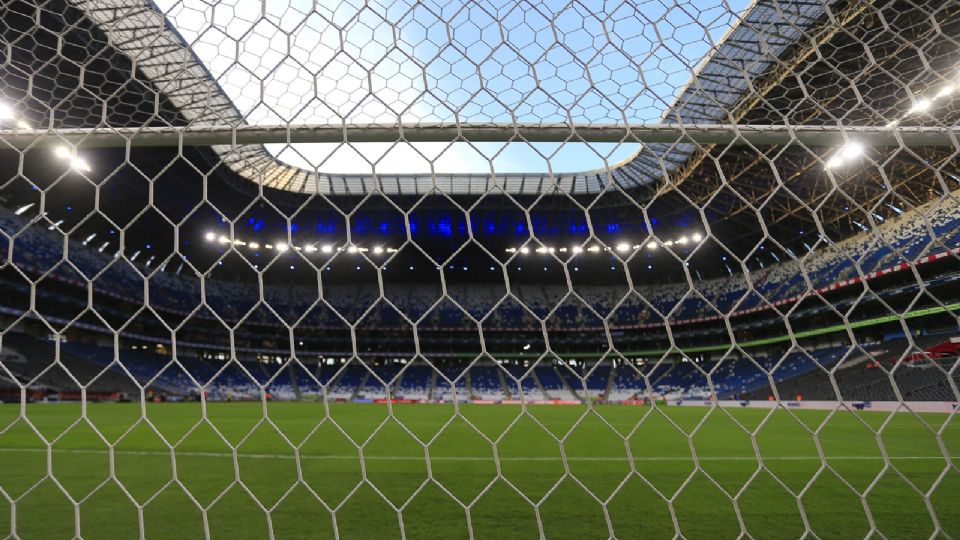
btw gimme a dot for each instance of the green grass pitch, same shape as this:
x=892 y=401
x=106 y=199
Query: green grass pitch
x=570 y=472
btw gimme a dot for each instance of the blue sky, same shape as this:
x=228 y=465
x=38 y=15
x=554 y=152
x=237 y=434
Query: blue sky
x=304 y=62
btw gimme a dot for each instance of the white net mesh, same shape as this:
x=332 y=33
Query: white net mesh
x=479 y=270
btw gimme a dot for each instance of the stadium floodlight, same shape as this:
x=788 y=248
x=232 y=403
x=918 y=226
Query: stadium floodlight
x=223 y=239
x=254 y=245
x=682 y=241
x=352 y=249
x=946 y=91
x=377 y=250
x=282 y=247
x=80 y=164
x=6 y=112
x=524 y=250
x=623 y=248
x=651 y=245
x=62 y=152
x=23 y=124
x=326 y=248
x=921 y=105
x=541 y=249
x=593 y=249
x=851 y=150
x=845 y=154
x=310 y=249
x=577 y=249
x=696 y=237
x=210 y=237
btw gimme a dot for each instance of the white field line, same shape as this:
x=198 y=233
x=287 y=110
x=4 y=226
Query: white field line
x=460 y=458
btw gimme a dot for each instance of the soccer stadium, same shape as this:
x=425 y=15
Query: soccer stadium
x=479 y=269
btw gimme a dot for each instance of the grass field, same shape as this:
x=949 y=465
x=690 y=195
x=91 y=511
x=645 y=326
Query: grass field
x=605 y=475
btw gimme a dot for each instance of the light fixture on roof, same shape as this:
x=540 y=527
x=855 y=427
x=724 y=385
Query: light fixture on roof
x=80 y=164
x=682 y=240
x=946 y=91
x=623 y=248
x=6 y=112
x=921 y=105
x=378 y=250
x=577 y=249
x=524 y=250
x=22 y=125
x=210 y=237
x=651 y=245
x=326 y=249
x=696 y=237
x=848 y=152
x=851 y=150
x=541 y=249
x=254 y=245
x=76 y=162
x=352 y=249
x=281 y=247
x=593 y=249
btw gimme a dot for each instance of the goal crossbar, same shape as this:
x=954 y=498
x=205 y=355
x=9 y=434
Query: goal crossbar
x=760 y=135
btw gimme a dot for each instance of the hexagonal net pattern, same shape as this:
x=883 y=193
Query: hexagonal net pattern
x=486 y=269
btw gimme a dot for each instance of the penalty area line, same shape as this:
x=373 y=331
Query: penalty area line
x=342 y=457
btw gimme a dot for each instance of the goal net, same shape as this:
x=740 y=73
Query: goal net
x=485 y=269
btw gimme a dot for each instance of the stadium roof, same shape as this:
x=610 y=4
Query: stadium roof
x=750 y=49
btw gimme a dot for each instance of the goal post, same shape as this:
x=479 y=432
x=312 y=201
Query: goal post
x=726 y=134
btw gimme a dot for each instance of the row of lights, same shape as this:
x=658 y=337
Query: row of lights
x=9 y=116
x=924 y=104
x=852 y=150
x=76 y=162
x=622 y=247
x=283 y=247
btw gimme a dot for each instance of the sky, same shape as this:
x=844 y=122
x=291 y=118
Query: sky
x=332 y=61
